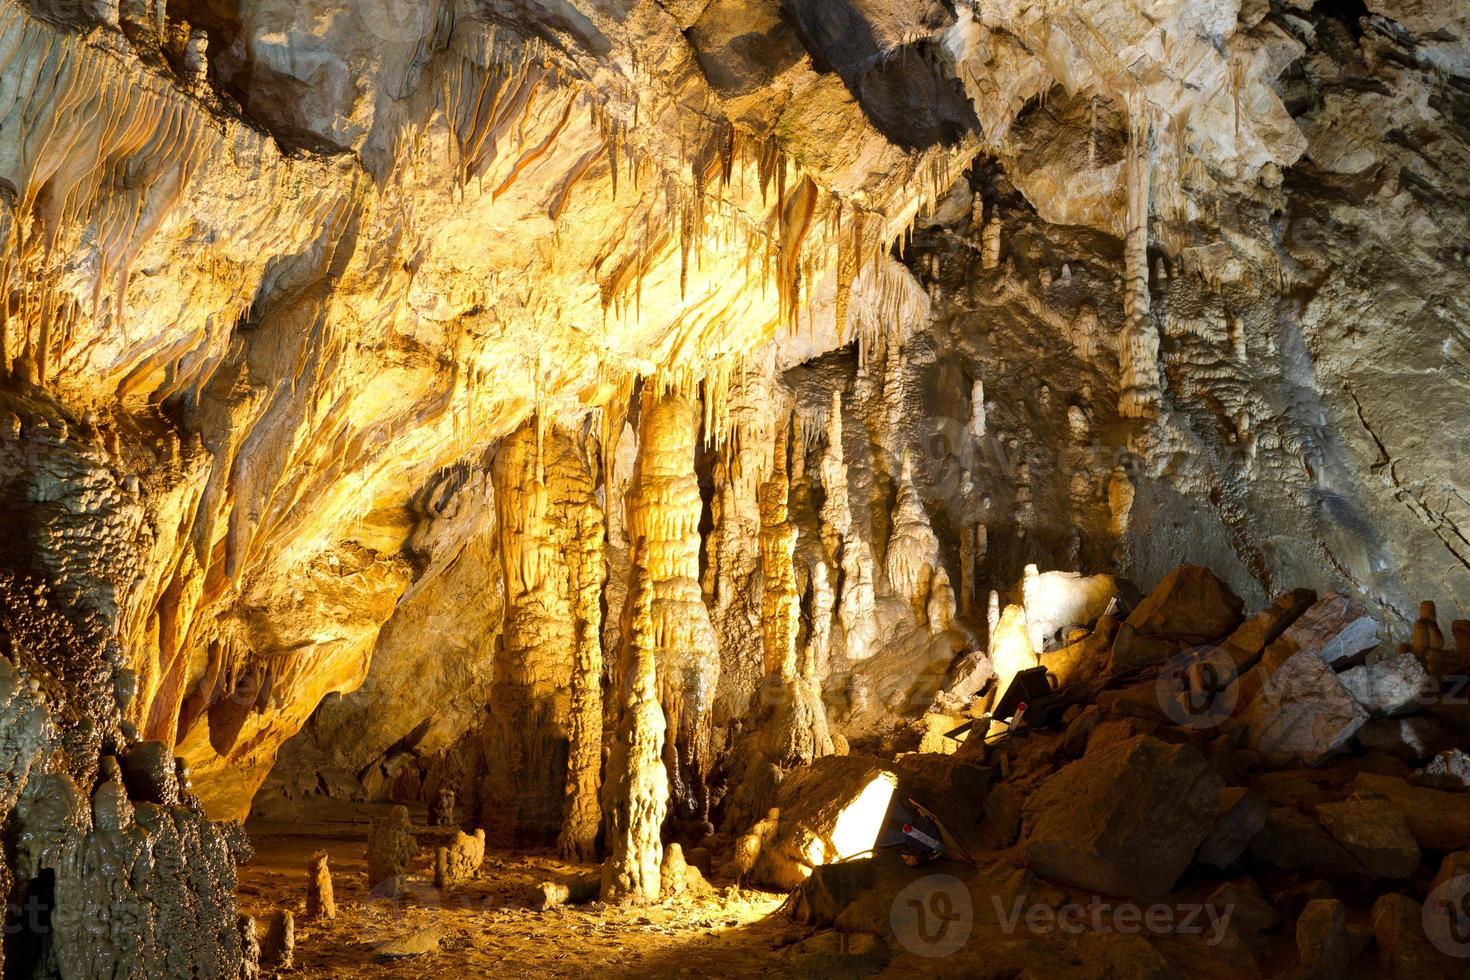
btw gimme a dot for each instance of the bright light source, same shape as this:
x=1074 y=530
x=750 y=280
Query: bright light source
x=857 y=826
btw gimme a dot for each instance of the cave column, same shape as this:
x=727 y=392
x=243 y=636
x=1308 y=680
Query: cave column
x=1139 y=344
x=544 y=732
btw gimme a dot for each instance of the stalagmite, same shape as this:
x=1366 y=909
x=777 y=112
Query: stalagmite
x=545 y=727
x=990 y=244
x=941 y=606
x=913 y=550
x=779 y=599
x=836 y=512
x=637 y=788
x=977 y=409
x=663 y=527
x=320 y=900
x=1138 y=345
x=822 y=606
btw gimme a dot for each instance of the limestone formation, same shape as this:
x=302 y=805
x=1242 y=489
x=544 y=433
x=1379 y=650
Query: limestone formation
x=391 y=847
x=460 y=861
x=321 y=902
x=278 y=945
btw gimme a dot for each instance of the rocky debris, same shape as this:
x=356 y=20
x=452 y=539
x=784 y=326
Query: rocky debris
x=320 y=901
x=278 y=945
x=1252 y=637
x=967 y=678
x=1336 y=628
x=461 y=860
x=1439 y=821
x=575 y=890
x=1388 y=687
x=1302 y=714
x=442 y=811
x=1240 y=815
x=1250 y=910
x=1376 y=834
x=391 y=846
x=1322 y=940
x=416 y=943
x=1293 y=841
x=1412 y=739
x=1448 y=770
x=1404 y=950
x=1124 y=820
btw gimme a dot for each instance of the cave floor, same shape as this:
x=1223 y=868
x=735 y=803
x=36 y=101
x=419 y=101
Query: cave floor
x=490 y=925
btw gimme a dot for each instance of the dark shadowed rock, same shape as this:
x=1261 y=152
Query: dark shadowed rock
x=1438 y=820
x=1412 y=739
x=1190 y=605
x=1321 y=939
x=1375 y=832
x=1240 y=815
x=1404 y=950
x=1125 y=820
x=1448 y=770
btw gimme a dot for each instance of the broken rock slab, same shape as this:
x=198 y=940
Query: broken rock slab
x=1124 y=820
x=1388 y=687
x=1191 y=605
x=1404 y=950
x=1302 y=713
x=1336 y=628
x=1375 y=832
x=1439 y=821
x=575 y=890
x=1412 y=739
x=416 y=943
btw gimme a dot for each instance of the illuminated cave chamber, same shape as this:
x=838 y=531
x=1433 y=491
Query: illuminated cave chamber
x=744 y=485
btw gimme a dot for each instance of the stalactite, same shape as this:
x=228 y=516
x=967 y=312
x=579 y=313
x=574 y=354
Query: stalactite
x=1139 y=343
x=663 y=528
x=581 y=813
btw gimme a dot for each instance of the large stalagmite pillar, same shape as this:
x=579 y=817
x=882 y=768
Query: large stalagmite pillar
x=663 y=528
x=1138 y=348
x=543 y=749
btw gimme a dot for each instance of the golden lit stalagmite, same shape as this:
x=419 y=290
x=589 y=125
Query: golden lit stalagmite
x=545 y=726
x=664 y=513
x=1138 y=346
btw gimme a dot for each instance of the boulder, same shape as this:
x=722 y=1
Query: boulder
x=1125 y=820
x=967 y=678
x=1251 y=637
x=1302 y=713
x=1375 y=832
x=416 y=943
x=1240 y=815
x=1439 y=821
x=1450 y=770
x=1404 y=950
x=1454 y=865
x=461 y=860
x=1321 y=939
x=1388 y=687
x=1250 y=911
x=1412 y=739
x=1335 y=628
x=1190 y=605
x=1293 y=841
x=577 y=890
x=830 y=810
x=391 y=846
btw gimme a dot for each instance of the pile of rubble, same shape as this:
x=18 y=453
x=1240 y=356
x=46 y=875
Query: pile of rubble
x=1207 y=795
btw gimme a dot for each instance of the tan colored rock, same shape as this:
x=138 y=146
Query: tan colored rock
x=1376 y=833
x=460 y=861
x=391 y=846
x=278 y=945
x=321 y=902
